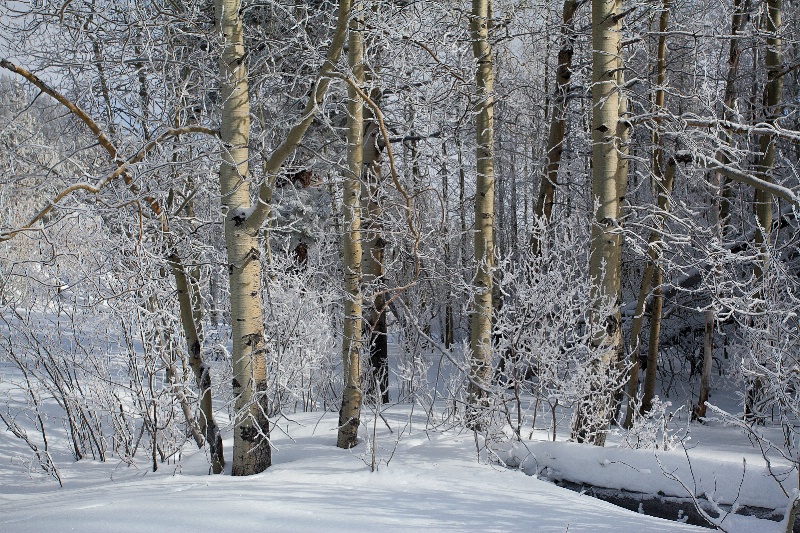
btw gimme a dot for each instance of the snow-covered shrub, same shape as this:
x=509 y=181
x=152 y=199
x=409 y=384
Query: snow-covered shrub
x=543 y=333
x=652 y=430
x=304 y=356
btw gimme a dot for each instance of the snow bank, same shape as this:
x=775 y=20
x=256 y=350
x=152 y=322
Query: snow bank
x=726 y=478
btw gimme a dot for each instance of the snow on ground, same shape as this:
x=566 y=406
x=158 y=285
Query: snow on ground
x=426 y=480
x=433 y=482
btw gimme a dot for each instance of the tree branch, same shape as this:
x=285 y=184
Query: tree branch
x=737 y=175
x=295 y=135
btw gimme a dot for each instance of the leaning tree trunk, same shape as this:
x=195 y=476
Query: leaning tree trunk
x=207 y=424
x=350 y=412
x=558 y=122
x=657 y=256
x=251 y=448
x=651 y=279
x=594 y=409
x=481 y=314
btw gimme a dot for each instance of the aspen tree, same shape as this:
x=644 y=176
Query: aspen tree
x=373 y=269
x=773 y=93
x=594 y=410
x=664 y=190
x=251 y=448
x=243 y=222
x=350 y=412
x=481 y=313
x=738 y=20
x=653 y=275
x=558 y=119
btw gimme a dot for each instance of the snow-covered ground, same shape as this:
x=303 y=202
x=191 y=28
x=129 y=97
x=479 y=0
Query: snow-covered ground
x=433 y=481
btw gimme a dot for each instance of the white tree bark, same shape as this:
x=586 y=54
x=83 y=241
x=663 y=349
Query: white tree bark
x=481 y=314
x=350 y=412
x=594 y=410
x=251 y=448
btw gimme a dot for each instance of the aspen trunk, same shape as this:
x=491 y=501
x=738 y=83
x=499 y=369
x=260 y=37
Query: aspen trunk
x=373 y=271
x=649 y=391
x=623 y=139
x=481 y=315
x=207 y=424
x=772 y=99
x=708 y=360
x=763 y=199
x=594 y=410
x=251 y=448
x=664 y=188
x=652 y=278
x=663 y=185
x=738 y=20
x=636 y=333
x=657 y=257
x=558 y=121
x=350 y=413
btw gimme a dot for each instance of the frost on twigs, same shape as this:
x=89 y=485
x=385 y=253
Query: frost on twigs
x=652 y=430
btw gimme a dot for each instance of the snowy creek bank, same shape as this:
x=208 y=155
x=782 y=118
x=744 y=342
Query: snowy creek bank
x=661 y=483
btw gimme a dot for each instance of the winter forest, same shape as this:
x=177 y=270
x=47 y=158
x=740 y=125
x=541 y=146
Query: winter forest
x=513 y=265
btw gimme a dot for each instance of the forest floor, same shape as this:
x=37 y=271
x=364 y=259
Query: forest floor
x=433 y=482
x=424 y=480
x=423 y=475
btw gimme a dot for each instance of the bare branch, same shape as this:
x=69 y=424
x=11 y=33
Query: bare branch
x=742 y=177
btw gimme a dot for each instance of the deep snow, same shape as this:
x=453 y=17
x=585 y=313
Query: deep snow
x=433 y=482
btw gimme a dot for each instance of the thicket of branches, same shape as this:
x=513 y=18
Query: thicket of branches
x=113 y=241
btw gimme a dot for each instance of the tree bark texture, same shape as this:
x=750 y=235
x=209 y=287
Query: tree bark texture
x=651 y=279
x=373 y=270
x=594 y=410
x=207 y=424
x=251 y=448
x=481 y=314
x=558 y=121
x=738 y=20
x=773 y=93
x=350 y=412
x=653 y=274
x=772 y=100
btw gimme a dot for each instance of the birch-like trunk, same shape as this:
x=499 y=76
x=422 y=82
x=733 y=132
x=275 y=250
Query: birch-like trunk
x=481 y=314
x=251 y=448
x=708 y=361
x=772 y=100
x=350 y=412
x=558 y=121
x=738 y=20
x=207 y=424
x=665 y=189
x=651 y=279
x=773 y=93
x=373 y=270
x=663 y=186
x=594 y=410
